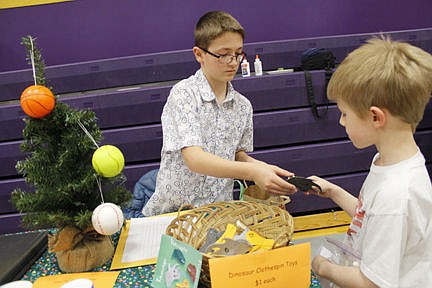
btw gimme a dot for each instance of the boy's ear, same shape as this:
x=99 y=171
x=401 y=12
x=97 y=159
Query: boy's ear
x=198 y=54
x=379 y=116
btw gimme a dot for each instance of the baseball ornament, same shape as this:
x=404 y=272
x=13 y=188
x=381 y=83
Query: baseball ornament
x=37 y=101
x=107 y=219
x=108 y=161
x=79 y=283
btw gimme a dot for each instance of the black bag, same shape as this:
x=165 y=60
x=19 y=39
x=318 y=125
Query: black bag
x=316 y=59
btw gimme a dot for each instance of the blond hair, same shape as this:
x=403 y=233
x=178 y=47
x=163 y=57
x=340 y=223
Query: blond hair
x=212 y=25
x=387 y=74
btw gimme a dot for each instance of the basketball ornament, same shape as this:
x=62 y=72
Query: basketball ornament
x=107 y=219
x=108 y=161
x=37 y=101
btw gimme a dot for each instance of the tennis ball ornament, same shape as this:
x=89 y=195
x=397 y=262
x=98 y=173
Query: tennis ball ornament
x=107 y=219
x=108 y=161
x=37 y=101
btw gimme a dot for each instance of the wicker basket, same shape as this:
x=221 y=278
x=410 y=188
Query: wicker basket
x=253 y=193
x=267 y=220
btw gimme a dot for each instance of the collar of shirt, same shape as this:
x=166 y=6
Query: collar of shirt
x=207 y=93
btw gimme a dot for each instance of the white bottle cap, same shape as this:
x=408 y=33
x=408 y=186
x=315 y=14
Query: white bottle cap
x=78 y=283
x=18 y=284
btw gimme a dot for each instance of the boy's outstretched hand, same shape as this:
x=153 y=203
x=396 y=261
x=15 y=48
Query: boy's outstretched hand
x=268 y=178
x=303 y=184
x=326 y=187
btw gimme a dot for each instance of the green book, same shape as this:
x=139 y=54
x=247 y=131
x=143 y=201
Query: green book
x=178 y=265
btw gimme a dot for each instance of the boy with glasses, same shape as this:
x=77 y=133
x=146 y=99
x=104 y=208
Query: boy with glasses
x=207 y=127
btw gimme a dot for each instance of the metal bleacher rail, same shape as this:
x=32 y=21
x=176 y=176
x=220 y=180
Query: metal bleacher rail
x=128 y=93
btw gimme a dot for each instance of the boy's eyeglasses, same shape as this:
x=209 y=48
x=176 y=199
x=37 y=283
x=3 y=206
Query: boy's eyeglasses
x=226 y=59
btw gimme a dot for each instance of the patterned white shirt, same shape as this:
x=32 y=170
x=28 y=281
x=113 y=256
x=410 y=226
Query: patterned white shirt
x=192 y=117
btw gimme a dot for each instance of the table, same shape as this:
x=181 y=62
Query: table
x=137 y=277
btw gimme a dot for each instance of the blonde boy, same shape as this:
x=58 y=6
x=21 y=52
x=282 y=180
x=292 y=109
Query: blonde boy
x=207 y=127
x=382 y=89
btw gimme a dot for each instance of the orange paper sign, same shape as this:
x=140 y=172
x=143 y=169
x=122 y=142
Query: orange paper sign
x=99 y=279
x=283 y=267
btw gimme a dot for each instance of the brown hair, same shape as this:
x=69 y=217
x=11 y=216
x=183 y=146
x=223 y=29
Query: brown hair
x=386 y=74
x=212 y=25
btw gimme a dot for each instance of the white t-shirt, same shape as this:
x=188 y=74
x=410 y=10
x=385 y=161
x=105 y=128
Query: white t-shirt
x=192 y=117
x=392 y=228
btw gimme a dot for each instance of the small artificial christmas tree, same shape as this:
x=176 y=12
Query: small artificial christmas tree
x=67 y=188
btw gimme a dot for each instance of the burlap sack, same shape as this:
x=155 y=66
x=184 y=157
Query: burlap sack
x=79 y=251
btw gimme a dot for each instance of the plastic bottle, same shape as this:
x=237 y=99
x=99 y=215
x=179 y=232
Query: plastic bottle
x=245 y=68
x=258 y=66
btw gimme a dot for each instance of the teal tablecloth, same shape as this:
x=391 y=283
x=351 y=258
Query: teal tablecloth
x=139 y=277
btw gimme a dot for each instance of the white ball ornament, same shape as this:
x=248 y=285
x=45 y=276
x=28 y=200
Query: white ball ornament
x=18 y=284
x=107 y=219
x=78 y=283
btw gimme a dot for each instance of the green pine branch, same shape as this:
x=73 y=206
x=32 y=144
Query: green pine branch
x=39 y=62
x=58 y=166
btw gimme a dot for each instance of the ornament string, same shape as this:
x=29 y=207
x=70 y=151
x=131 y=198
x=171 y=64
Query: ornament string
x=33 y=68
x=100 y=188
x=97 y=146
x=88 y=134
x=32 y=60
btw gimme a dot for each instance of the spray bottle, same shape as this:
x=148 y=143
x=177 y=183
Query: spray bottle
x=258 y=66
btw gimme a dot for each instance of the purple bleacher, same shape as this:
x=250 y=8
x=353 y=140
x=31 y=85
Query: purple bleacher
x=332 y=157
x=7 y=186
x=141 y=105
x=287 y=53
x=112 y=108
x=11 y=122
x=295 y=126
x=285 y=127
x=174 y=65
x=9 y=155
x=144 y=142
x=11 y=223
x=323 y=158
x=280 y=91
x=140 y=143
x=326 y=158
x=424 y=142
x=285 y=131
x=104 y=73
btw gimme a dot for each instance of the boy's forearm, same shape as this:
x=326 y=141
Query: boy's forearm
x=242 y=156
x=344 y=200
x=206 y=163
x=345 y=276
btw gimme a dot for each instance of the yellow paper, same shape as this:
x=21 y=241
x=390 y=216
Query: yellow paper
x=283 y=267
x=148 y=237
x=20 y=3
x=116 y=262
x=100 y=279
